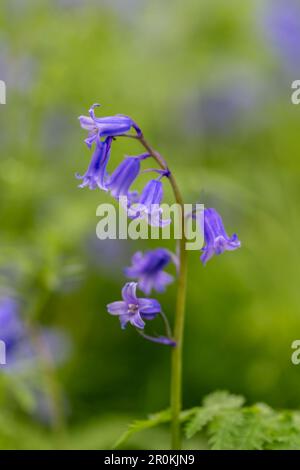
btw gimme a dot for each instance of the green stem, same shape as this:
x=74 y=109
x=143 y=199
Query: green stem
x=176 y=370
x=47 y=366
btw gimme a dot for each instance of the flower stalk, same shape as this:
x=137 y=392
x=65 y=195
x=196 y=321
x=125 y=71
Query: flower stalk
x=147 y=269
x=176 y=366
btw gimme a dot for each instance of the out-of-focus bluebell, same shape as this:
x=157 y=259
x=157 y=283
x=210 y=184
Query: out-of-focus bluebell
x=18 y=72
x=281 y=26
x=128 y=10
x=225 y=106
x=20 y=347
x=107 y=255
x=27 y=349
x=148 y=269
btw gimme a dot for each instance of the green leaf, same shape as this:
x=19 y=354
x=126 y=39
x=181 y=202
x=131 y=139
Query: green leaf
x=253 y=434
x=225 y=430
x=140 y=425
x=284 y=431
x=223 y=400
x=213 y=405
x=152 y=421
x=202 y=417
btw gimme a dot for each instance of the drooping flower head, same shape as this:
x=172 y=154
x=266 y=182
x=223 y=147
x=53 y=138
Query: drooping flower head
x=124 y=175
x=133 y=309
x=96 y=174
x=110 y=126
x=216 y=240
x=147 y=205
x=148 y=269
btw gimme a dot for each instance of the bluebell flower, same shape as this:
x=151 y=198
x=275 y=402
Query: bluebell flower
x=132 y=309
x=148 y=269
x=216 y=240
x=147 y=206
x=96 y=174
x=110 y=126
x=124 y=175
x=282 y=25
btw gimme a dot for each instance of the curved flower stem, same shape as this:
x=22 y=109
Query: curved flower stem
x=176 y=372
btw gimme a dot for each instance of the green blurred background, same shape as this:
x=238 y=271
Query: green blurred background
x=210 y=86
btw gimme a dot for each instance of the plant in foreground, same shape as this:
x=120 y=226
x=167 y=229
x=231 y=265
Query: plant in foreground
x=148 y=269
x=224 y=422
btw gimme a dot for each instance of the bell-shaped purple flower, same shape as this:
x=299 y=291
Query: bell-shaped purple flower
x=124 y=175
x=216 y=240
x=148 y=269
x=96 y=173
x=132 y=309
x=147 y=205
x=110 y=126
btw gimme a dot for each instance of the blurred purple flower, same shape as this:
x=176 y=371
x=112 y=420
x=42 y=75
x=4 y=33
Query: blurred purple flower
x=107 y=255
x=11 y=327
x=96 y=173
x=110 y=126
x=282 y=26
x=18 y=71
x=124 y=175
x=132 y=309
x=225 y=107
x=21 y=352
x=147 y=206
x=148 y=269
x=216 y=240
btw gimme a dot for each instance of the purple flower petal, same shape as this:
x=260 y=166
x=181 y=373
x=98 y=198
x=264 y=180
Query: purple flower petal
x=136 y=320
x=149 y=306
x=123 y=177
x=129 y=293
x=117 y=308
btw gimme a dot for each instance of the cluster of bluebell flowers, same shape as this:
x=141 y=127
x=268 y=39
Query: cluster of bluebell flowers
x=147 y=269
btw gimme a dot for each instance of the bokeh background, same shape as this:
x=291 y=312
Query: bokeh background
x=210 y=85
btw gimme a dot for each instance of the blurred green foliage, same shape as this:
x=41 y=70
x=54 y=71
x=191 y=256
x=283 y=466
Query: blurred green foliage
x=155 y=61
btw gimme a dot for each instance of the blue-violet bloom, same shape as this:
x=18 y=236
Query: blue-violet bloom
x=124 y=175
x=148 y=269
x=132 y=309
x=216 y=240
x=96 y=174
x=148 y=205
x=110 y=126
